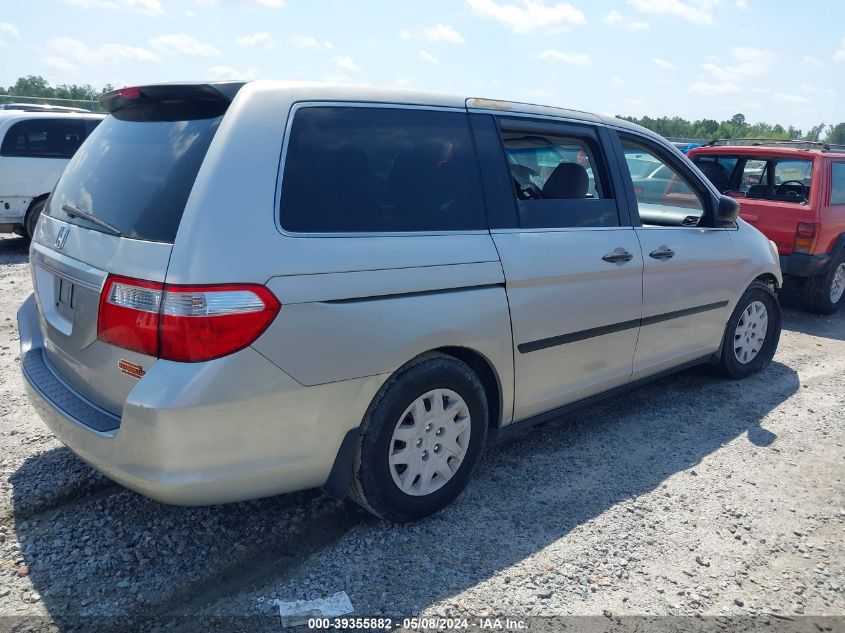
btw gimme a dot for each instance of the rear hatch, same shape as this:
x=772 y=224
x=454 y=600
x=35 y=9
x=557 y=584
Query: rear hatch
x=116 y=211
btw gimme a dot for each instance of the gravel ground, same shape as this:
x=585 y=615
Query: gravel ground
x=692 y=496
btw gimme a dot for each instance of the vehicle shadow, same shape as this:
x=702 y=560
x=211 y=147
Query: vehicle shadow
x=13 y=249
x=116 y=552
x=825 y=326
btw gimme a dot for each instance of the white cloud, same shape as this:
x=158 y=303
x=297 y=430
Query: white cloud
x=262 y=39
x=443 y=32
x=809 y=60
x=183 y=44
x=637 y=25
x=617 y=81
x=428 y=57
x=269 y=4
x=697 y=13
x=741 y=4
x=347 y=63
x=576 y=59
x=782 y=97
x=220 y=73
x=839 y=55
x=530 y=16
x=612 y=18
x=405 y=34
x=147 y=7
x=747 y=63
x=67 y=53
x=306 y=41
x=8 y=32
x=663 y=63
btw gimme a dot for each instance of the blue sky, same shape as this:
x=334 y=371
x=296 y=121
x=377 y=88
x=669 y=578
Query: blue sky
x=773 y=60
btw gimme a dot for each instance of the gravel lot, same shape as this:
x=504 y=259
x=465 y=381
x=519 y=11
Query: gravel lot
x=694 y=495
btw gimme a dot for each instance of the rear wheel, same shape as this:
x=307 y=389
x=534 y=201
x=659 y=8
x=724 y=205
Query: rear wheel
x=752 y=332
x=421 y=439
x=32 y=216
x=826 y=293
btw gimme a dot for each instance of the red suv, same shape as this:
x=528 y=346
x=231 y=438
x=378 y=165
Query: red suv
x=794 y=192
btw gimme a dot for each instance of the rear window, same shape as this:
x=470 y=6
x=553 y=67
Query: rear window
x=44 y=138
x=135 y=175
x=358 y=169
x=718 y=169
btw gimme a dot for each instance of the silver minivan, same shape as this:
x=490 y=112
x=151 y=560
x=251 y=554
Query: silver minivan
x=248 y=289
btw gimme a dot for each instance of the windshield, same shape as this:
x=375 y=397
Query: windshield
x=135 y=176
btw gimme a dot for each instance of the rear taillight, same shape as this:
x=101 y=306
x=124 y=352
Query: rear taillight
x=129 y=313
x=805 y=236
x=183 y=323
x=205 y=322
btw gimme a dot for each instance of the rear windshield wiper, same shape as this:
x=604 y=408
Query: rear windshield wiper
x=73 y=212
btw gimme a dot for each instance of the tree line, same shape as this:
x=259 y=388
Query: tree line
x=736 y=128
x=86 y=96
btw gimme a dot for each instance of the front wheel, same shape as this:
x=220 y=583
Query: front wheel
x=826 y=292
x=752 y=333
x=421 y=439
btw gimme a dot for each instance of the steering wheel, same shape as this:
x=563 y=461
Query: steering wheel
x=783 y=187
x=528 y=191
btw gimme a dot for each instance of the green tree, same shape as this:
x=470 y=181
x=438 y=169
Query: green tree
x=836 y=134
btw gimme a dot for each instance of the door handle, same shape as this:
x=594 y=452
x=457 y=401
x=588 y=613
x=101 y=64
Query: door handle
x=662 y=253
x=618 y=255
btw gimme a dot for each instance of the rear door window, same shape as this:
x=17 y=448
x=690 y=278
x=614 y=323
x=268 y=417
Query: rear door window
x=44 y=138
x=558 y=175
x=752 y=174
x=135 y=175
x=380 y=169
x=718 y=169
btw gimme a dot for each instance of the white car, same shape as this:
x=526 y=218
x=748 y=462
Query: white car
x=35 y=146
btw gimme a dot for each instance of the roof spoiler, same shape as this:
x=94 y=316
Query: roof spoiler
x=171 y=101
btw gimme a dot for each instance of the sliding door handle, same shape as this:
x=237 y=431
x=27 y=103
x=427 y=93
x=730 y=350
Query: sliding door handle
x=618 y=255
x=662 y=253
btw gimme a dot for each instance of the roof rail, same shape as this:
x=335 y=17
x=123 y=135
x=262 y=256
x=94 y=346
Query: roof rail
x=41 y=107
x=754 y=142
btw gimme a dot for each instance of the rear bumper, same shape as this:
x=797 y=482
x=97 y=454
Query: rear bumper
x=201 y=433
x=801 y=265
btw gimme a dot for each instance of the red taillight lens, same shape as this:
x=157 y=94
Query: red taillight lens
x=130 y=92
x=183 y=323
x=805 y=235
x=205 y=322
x=128 y=315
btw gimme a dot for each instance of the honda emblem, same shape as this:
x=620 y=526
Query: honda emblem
x=62 y=236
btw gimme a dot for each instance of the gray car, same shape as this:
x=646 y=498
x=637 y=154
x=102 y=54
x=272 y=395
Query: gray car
x=242 y=290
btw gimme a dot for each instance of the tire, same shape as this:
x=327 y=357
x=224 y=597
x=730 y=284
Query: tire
x=376 y=483
x=744 y=351
x=826 y=293
x=32 y=216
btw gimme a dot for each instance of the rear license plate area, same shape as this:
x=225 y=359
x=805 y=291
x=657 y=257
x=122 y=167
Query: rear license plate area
x=65 y=297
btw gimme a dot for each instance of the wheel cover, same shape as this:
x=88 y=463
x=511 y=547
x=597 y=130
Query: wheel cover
x=750 y=334
x=429 y=442
x=837 y=286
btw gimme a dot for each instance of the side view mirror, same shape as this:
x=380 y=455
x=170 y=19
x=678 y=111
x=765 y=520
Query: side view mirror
x=726 y=211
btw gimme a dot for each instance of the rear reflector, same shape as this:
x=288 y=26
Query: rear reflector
x=183 y=323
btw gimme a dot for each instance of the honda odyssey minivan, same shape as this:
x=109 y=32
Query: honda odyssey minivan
x=242 y=290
